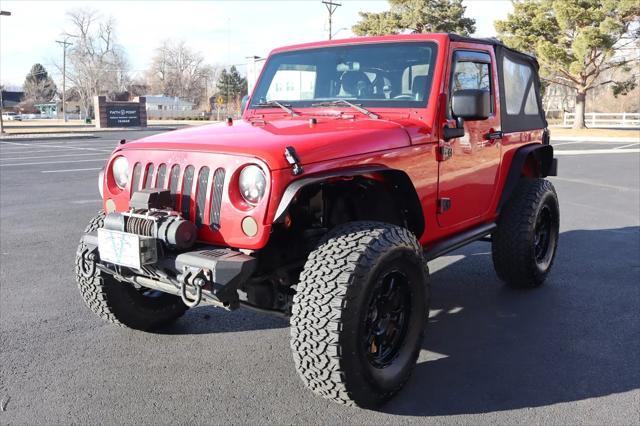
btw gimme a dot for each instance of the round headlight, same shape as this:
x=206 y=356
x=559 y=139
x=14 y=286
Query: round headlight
x=120 y=170
x=252 y=183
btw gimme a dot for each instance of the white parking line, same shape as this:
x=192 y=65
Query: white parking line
x=26 y=150
x=598 y=184
x=69 y=170
x=68 y=141
x=596 y=151
x=64 y=147
x=52 y=162
x=627 y=146
x=53 y=156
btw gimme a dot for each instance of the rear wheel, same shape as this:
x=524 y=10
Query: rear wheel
x=121 y=303
x=359 y=313
x=524 y=245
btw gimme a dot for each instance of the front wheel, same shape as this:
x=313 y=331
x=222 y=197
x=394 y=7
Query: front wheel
x=524 y=244
x=359 y=313
x=121 y=303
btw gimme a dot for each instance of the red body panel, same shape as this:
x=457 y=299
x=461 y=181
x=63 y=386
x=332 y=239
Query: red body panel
x=404 y=139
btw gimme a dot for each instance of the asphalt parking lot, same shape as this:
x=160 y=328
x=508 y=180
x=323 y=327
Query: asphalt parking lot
x=564 y=353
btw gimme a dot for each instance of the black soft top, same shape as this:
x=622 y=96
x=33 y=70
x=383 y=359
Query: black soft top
x=524 y=119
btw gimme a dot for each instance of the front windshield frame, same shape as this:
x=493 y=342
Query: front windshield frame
x=259 y=95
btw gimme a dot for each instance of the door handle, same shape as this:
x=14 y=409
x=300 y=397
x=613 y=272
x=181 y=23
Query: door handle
x=493 y=136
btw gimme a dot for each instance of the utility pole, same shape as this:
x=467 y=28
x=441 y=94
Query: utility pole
x=331 y=8
x=64 y=44
x=2 y=13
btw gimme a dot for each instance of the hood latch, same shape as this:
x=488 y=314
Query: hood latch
x=293 y=159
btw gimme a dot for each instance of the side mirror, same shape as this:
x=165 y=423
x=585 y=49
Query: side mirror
x=243 y=103
x=471 y=104
x=467 y=104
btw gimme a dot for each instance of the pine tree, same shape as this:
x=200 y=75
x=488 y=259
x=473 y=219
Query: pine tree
x=231 y=85
x=417 y=16
x=576 y=41
x=38 y=85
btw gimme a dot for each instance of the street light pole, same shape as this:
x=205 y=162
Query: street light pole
x=2 y=13
x=331 y=7
x=64 y=44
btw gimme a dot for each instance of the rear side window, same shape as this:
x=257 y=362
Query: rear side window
x=517 y=77
x=520 y=107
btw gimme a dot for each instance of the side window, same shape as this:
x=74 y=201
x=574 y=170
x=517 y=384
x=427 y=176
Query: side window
x=471 y=70
x=517 y=86
x=470 y=75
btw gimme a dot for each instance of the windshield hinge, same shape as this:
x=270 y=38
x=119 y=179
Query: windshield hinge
x=292 y=158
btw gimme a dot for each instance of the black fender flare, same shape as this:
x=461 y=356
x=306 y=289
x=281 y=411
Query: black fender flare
x=541 y=153
x=403 y=190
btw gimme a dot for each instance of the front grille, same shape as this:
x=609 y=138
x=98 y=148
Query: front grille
x=191 y=202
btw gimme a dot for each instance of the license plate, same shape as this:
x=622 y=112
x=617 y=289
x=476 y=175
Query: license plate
x=120 y=248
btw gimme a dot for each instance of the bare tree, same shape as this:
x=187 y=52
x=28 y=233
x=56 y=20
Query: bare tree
x=176 y=70
x=96 y=63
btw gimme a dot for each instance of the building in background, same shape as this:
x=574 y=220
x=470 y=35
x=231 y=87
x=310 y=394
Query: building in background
x=11 y=99
x=161 y=106
x=254 y=67
x=53 y=108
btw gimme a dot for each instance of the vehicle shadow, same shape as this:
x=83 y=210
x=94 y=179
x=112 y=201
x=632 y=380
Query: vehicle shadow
x=211 y=319
x=490 y=348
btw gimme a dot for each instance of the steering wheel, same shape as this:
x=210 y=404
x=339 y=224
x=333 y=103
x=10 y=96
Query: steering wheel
x=406 y=97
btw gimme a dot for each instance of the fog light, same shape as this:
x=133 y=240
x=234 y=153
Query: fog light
x=249 y=226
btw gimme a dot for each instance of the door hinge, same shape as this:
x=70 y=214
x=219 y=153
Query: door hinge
x=445 y=152
x=444 y=204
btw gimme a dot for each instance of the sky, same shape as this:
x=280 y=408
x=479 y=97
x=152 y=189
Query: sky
x=225 y=32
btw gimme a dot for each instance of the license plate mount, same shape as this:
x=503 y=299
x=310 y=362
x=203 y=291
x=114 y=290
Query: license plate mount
x=125 y=249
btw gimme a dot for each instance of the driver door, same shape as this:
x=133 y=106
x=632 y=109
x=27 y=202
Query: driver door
x=467 y=179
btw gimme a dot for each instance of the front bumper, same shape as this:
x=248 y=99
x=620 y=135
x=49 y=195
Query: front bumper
x=207 y=274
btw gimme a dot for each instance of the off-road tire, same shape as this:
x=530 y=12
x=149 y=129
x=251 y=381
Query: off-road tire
x=121 y=303
x=514 y=241
x=332 y=297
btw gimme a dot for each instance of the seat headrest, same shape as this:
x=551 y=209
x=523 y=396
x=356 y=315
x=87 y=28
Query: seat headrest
x=418 y=87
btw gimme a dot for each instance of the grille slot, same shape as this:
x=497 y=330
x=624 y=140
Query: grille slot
x=173 y=184
x=216 y=199
x=148 y=180
x=135 y=180
x=187 y=182
x=162 y=171
x=201 y=194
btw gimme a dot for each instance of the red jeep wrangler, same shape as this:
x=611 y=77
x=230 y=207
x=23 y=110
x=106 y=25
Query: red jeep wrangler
x=355 y=162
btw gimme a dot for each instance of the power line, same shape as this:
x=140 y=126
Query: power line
x=331 y=8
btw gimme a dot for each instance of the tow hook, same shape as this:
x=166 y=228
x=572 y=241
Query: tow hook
x=197 y=285
x=192 y=277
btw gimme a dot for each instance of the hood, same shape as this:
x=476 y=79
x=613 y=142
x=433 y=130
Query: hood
x=329 y=138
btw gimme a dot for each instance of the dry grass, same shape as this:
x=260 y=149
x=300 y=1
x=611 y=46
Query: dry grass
x=610 y=133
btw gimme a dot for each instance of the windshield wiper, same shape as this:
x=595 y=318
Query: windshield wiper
x=357 y=107
x=285 y=107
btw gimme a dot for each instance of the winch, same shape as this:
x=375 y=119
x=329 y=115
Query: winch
x=151 y=216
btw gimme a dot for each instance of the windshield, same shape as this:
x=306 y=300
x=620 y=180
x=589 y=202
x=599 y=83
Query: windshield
x=390 y=75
